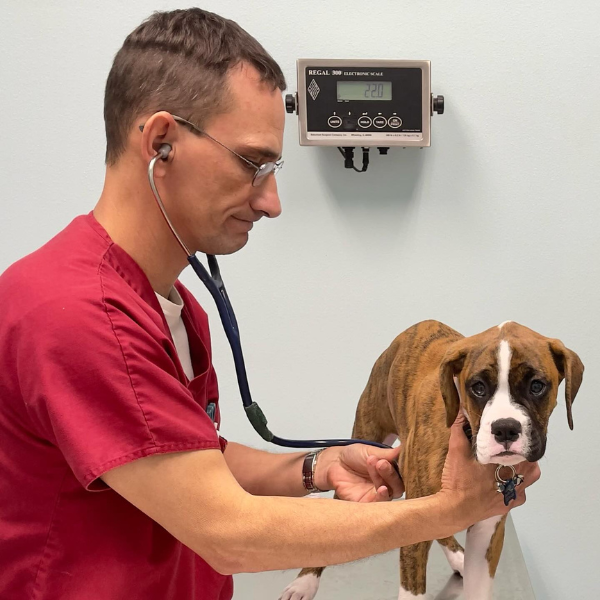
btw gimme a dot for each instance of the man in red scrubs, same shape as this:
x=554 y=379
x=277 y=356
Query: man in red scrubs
x=114 y=481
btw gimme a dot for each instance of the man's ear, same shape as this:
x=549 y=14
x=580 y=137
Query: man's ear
x=158 y=136
x=451 y=366
x=570 y=368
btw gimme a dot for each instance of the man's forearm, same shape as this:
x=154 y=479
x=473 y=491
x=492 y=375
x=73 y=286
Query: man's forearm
x=286 y=533
x=264 y=473
x=235 y=531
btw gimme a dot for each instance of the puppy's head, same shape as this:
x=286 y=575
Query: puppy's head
x=506 y=381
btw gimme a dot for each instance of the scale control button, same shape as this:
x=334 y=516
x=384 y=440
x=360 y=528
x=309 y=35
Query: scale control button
x=394 y=122
x=349 y=124
x=334 y=121
x=380 y=122
x=365 y=122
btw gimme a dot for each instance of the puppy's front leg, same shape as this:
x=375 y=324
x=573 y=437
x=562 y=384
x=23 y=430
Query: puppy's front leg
x=413 y=571
x=482 y=553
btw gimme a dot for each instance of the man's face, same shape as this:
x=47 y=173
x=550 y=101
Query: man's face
x=212 y=201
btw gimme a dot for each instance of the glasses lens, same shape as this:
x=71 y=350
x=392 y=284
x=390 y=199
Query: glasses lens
x=264 y=170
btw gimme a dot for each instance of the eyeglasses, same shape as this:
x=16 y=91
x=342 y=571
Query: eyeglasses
x=260 y=171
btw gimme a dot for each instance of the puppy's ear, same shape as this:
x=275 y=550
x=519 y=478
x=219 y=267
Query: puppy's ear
x=570 y=368
x=452 y=364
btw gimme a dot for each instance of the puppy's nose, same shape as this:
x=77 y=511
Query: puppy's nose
x=506 y=431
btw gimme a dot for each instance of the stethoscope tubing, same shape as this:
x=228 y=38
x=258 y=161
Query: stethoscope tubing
x=216 y=287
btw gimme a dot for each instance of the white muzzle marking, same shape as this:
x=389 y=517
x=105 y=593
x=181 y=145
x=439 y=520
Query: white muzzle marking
x=501 y=406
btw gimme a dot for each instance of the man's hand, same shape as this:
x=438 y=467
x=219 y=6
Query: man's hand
x=359 y=473
x=471 y=487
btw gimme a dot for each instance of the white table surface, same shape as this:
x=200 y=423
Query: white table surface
x=377 y=578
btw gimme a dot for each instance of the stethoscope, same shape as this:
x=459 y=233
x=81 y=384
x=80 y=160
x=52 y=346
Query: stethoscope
x=216 y=287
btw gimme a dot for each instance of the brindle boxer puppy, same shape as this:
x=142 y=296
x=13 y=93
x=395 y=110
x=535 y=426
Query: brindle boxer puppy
x=505 y=380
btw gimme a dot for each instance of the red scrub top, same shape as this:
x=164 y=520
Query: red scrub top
x=89 y=380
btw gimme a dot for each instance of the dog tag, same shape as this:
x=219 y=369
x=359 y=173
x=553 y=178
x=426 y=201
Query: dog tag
x=508 y=487
x=509 y=490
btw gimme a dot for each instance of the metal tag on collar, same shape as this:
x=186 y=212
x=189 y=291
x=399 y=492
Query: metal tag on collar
x=508 y=487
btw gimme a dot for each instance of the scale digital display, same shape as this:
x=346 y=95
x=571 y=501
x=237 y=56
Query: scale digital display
x=364 y=90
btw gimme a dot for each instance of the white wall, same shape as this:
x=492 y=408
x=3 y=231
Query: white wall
x=497 y=220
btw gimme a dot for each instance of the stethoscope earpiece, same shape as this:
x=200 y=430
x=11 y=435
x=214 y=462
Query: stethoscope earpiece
x=164 y=150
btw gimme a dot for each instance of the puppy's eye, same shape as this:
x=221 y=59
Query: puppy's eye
x=537 y=387
x=478 y=388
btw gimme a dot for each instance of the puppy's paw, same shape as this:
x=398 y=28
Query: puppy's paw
x=406 y=595
x=302 y=588
x=456 y=561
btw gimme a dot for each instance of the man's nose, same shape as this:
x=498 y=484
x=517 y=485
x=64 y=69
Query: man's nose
x=266 y=199
x=506 y=431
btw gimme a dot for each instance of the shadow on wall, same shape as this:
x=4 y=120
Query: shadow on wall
x=391 y=179
x=374 y=209
x=381 y=205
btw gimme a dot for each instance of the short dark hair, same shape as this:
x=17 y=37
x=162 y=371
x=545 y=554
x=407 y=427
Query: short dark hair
x=178 y=61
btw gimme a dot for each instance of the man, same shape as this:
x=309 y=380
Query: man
x=114 y=481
